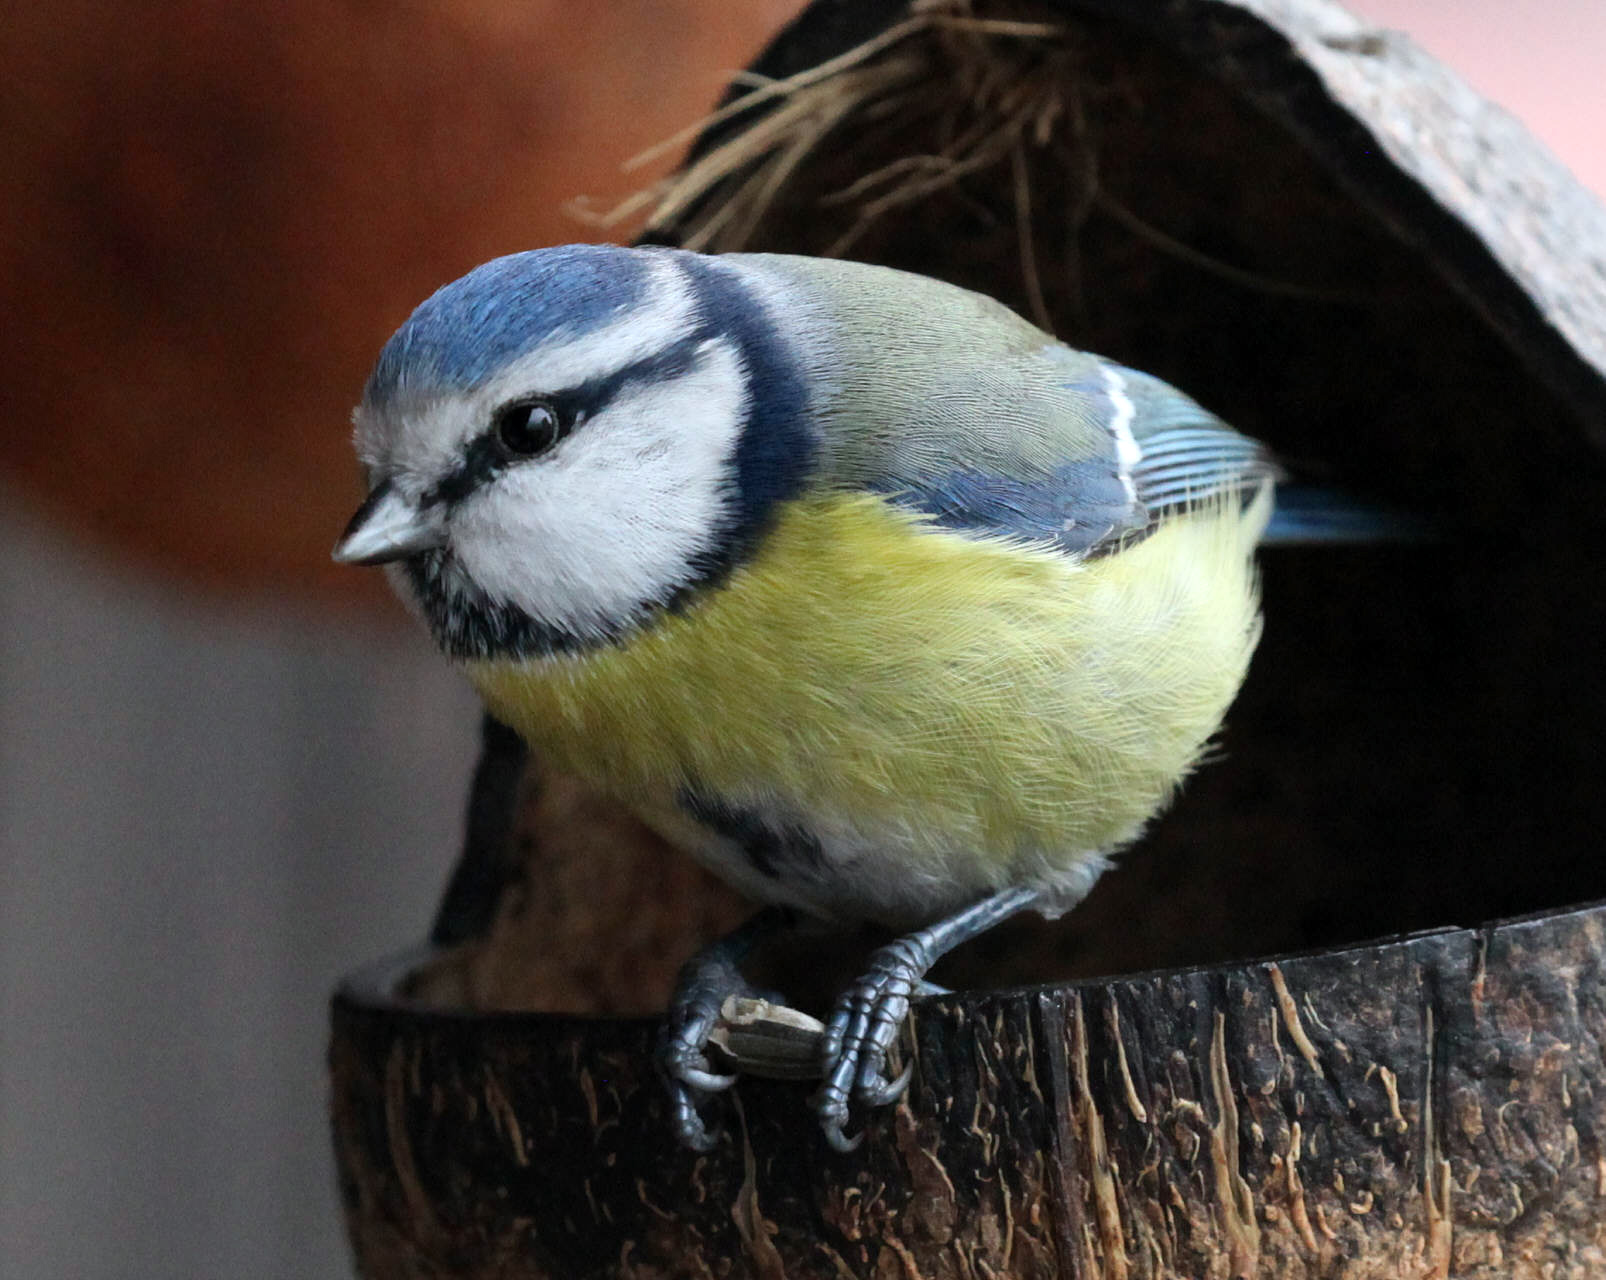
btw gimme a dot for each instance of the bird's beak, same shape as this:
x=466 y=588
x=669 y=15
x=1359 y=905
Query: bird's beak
x=388 y=527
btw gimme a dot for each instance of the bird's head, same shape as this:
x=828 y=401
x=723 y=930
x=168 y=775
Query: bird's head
x=564 y=442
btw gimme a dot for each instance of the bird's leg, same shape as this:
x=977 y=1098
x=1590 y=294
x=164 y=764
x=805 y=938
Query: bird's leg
x=867 y=1015
x=705 y=981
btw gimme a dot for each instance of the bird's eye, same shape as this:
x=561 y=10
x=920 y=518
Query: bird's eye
x=528 y=429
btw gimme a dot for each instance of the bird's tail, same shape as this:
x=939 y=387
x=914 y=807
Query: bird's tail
x=1310 y=516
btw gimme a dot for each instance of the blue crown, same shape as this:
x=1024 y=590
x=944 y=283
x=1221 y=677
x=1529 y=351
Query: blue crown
x=465 y=331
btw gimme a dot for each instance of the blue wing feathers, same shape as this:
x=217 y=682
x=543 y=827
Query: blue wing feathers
x=1073 y=508
x=1185 y=455
x=1183 y=465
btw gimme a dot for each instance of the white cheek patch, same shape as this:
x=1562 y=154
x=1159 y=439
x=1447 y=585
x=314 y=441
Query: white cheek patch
x=614 y=518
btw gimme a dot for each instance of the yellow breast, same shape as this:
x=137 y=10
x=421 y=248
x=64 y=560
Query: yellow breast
x=995 y=701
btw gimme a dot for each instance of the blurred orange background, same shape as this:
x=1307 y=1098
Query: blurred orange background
x=218 y=212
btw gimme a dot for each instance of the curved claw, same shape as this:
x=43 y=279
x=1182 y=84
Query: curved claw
x=680 y=1050
x=830 y=1106
x=702 y=1080
x=885 y=1092
x=833 y=1126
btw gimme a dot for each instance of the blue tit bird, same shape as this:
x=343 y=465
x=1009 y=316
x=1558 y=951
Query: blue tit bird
x=863 y=591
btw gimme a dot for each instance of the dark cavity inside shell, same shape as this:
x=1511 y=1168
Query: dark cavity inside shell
x=1415 y=746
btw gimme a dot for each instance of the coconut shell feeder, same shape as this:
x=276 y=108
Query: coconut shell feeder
x=1327 y=238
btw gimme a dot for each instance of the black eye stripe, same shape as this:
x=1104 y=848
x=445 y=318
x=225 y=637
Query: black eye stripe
x=486 y=457
x=484 y=460
x=673 y=361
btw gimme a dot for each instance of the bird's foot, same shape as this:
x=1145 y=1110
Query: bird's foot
x=705 y=982
x=860 y=1033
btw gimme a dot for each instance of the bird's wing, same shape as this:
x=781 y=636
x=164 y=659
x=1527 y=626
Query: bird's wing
x=1083 y=454
x=1186 y=452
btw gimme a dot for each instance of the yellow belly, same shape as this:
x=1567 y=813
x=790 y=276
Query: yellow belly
x=997 y=706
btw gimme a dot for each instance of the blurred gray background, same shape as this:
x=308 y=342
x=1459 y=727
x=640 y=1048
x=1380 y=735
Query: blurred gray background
x=207 y=814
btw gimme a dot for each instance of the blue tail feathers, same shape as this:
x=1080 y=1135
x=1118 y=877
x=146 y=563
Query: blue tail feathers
x=1307 y=515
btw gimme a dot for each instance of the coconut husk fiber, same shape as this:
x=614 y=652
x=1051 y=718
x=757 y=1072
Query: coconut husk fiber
x=1329 y=240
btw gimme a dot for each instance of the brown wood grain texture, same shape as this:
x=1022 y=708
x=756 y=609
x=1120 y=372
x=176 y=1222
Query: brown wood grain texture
x=1426 y=1107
